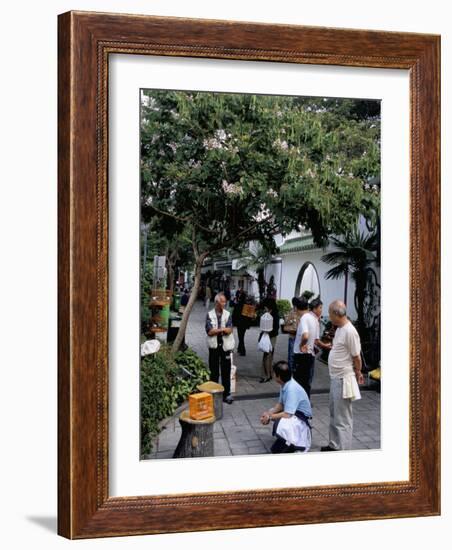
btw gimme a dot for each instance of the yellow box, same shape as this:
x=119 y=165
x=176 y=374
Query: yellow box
x=249 y=310
x=200 y=405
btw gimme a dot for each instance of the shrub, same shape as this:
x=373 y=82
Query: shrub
x=166 y=381
x=284 y=306
x=146 y=285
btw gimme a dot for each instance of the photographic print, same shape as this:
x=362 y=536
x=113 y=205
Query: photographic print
x=260 y=274
x=176 y=327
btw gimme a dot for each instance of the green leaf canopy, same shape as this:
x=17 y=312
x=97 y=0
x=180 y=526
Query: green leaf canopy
x=238 y=167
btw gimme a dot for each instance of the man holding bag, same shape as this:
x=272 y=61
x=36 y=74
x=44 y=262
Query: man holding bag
x=220 y=341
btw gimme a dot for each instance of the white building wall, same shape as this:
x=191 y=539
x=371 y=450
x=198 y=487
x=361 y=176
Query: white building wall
x=329 y=289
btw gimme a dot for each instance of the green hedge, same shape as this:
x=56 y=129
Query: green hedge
x=284 y=306
x=166 y=381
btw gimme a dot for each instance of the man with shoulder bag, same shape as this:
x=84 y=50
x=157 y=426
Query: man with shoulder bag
x=220 y=341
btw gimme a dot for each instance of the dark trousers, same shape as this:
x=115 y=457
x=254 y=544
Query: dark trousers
x=220 y=361
x=290 y=353
x=241 y=334
x=304 y=370
x=280 y=446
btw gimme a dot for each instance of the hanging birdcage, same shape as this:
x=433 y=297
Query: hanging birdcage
x=266 y=322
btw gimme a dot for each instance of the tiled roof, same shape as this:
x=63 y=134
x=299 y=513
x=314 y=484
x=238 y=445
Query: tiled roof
x=298 y=244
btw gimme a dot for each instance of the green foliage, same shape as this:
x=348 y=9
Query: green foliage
x=166 y=381
x=226 y=169
x=284 y=306
x=355 y=253
x=238 y=167
x=254 y=258
x=145 y=289
x=157 y=239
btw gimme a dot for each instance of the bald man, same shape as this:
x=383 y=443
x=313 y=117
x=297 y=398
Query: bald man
x=344 y=364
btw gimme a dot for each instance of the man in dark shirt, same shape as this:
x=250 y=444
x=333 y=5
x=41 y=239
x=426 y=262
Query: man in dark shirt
x=185 y=298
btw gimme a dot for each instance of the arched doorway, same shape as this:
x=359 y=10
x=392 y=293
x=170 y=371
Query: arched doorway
x=307 y=279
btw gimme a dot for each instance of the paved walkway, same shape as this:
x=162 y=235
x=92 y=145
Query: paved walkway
x=240 y=432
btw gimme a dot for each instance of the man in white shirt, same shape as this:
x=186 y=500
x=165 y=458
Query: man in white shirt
x=307 y=339
x=344 y=364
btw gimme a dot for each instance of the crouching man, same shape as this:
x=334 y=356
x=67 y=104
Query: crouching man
x=291 y=415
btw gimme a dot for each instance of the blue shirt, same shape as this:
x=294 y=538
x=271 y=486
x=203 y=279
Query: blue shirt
x=293 y=398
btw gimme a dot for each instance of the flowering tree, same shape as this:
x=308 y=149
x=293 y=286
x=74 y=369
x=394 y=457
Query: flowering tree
x=230 y=168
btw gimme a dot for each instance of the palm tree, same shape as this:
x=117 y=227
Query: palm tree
x=254 y=259
x=356 y=252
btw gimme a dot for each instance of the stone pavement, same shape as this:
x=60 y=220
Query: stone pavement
x=240 y=432
x=249 y=369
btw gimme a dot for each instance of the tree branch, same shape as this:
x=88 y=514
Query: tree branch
x=179 y=218
x=168 y=214
x=230 y=242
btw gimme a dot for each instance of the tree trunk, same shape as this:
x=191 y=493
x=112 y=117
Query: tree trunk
x=360 y=296
x=346 y=288
x=193 y=296
x=145 y=251
x=171 y=259
x=170 y=276
x=196 y=438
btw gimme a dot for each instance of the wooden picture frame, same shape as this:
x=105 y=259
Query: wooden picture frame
x=86 y=40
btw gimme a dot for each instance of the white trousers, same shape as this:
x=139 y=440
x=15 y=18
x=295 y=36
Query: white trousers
x=341 y=418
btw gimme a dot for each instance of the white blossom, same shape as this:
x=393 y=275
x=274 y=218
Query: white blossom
x=281 y=144
x=218 y=141
x=212 y=143
x=231 y=188
x=263 y=214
